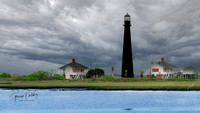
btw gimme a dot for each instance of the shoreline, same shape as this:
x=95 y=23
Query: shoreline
x=100 y=88
x=104 y=85
x=85 y=89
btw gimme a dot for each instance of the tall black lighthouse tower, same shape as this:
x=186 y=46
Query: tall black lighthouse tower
x=127 y=60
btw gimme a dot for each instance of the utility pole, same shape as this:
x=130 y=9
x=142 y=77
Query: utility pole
x=91 y=65
x=112 y=71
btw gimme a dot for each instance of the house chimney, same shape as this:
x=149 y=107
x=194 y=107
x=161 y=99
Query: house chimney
x=73 y=60
x=162 y=59
x=151 y=62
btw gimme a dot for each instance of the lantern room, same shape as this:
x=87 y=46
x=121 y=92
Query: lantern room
x=127 y=17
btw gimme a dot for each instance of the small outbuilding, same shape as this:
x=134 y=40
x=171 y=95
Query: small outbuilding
x=190 y=72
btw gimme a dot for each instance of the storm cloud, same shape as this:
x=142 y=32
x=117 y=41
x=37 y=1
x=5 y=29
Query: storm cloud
x=46 y=34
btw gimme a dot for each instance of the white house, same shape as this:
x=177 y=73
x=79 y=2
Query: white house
x=162 y=69
x=73 y=70
x=190 y=72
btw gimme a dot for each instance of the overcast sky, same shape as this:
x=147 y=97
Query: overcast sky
x=46 y=34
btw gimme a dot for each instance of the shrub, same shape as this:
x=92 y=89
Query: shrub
x=58 y=77
x=44 y=75
x=5 y=75
x=40 y=75
x=153 y=76
x=32 y=76
x=84 y=76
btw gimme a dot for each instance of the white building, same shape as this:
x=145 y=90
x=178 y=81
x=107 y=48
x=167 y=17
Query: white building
x=73 y=70
x=190 y=72
x=162 y=69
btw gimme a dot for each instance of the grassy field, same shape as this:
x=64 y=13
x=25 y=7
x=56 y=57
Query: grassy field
x=102 y=84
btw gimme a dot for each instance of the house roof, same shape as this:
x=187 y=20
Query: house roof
x=74 y=65
x=190 y=67
x=166 y=65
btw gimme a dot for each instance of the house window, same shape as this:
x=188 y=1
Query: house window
x=155 y=70
x=74 y=70
x=164 y=69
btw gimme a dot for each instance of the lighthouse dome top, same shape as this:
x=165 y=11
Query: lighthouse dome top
x=127 y=17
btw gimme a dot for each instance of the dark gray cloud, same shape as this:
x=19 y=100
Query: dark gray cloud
x=45 y=34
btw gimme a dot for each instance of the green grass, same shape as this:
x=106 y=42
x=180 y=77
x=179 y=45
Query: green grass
x=107 y=84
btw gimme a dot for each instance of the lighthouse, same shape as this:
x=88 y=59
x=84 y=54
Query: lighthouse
x=127 y=60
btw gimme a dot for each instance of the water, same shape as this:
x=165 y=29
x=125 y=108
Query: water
x=83 y=101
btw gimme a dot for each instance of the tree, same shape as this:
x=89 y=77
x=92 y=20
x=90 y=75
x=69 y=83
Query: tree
x=90 y=73
x=99 y=72
x=95 y=72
